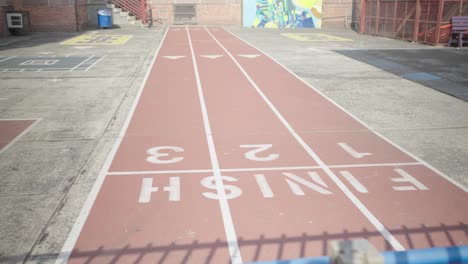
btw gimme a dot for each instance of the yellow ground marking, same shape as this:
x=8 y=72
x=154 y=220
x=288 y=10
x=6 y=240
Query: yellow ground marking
x=313 y=37
x=98 y=40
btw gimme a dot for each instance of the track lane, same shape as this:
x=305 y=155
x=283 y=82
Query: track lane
x=397 y=199
x=272 y=210
x=279 y=209
x=160 y=218
x=166 y=115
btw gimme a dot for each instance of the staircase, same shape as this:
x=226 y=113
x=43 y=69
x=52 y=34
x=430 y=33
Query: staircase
x=129 y=13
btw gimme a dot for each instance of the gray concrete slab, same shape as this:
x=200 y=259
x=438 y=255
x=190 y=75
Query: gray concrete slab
x=22 y=218
x=47 y=174
x=42 y=167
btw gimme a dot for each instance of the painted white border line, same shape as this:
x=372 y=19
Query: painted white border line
x=20 y=134
x=229 y=229
x=454 y=182
x=121 y=173
x=75 y=232
x=7 y=58
x=72 y=69
x=96 y=62
x=353 y=198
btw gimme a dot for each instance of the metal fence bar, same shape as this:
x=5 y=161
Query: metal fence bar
x=134 y=7
x=426 y=21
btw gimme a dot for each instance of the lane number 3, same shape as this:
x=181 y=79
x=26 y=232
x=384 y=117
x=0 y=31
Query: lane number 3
x=257 y=149
x=159 y=155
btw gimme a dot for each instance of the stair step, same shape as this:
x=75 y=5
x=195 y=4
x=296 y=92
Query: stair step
x=111 y=6
x=124 y=14
x=116 y=9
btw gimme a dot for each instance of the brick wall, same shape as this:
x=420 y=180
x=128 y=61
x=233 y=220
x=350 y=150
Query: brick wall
x=53 y=15
x=219 y=14
x=164 y=11
x=3 y=31
x=208 y=13
x=338 y=13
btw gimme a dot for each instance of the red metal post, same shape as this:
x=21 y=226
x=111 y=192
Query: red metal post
x=439 y=21
x=395 y=10
x=416 y=21
x=143 y=11
x=362 y=19
x=377 y=18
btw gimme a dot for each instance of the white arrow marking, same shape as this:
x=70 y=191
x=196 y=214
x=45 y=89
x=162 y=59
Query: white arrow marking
x=250 y=56
x=174 y=57
x=211 y=56
x=353 y=152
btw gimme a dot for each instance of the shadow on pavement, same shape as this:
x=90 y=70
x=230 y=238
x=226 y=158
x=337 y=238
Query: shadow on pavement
x=444 y=70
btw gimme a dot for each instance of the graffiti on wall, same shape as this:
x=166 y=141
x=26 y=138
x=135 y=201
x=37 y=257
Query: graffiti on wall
x=283 y=13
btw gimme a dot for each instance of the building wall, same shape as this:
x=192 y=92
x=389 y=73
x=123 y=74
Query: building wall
x=219 y=14
x=52 y=15
x=339 y=13
x=3 y=31
x=209 y=12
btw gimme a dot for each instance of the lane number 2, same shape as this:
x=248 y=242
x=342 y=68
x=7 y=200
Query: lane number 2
x=157 y=153
x=254 y=154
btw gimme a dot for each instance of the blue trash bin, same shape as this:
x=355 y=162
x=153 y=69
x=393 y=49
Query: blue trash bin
x=105 y=18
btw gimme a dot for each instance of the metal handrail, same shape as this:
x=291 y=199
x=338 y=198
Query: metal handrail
x=138 y=8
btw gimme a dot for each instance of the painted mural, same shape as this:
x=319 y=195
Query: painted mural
x=283 y=13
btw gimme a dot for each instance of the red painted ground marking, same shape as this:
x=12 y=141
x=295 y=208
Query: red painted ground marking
x=303 y=108
x=394 y=209
x=246 y=134
x=290 y=222
x=10 y=129
x=123 y=230
x=124 y=227
x=168 y=114
x=281 y=214
x=418 y=206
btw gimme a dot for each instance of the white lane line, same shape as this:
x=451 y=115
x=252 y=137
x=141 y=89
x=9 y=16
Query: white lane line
x=22 y=133
x=231 y=236
x=75 y=232
x=96 y=62
x=157 y=172
x=377 y=224
x=72 y=69
x=116 y=173
x=7 y=58
x=454 y=182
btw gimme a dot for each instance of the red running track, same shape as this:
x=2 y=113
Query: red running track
x=228 y=158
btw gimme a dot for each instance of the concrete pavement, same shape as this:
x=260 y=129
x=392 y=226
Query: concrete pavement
x=47 y=174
